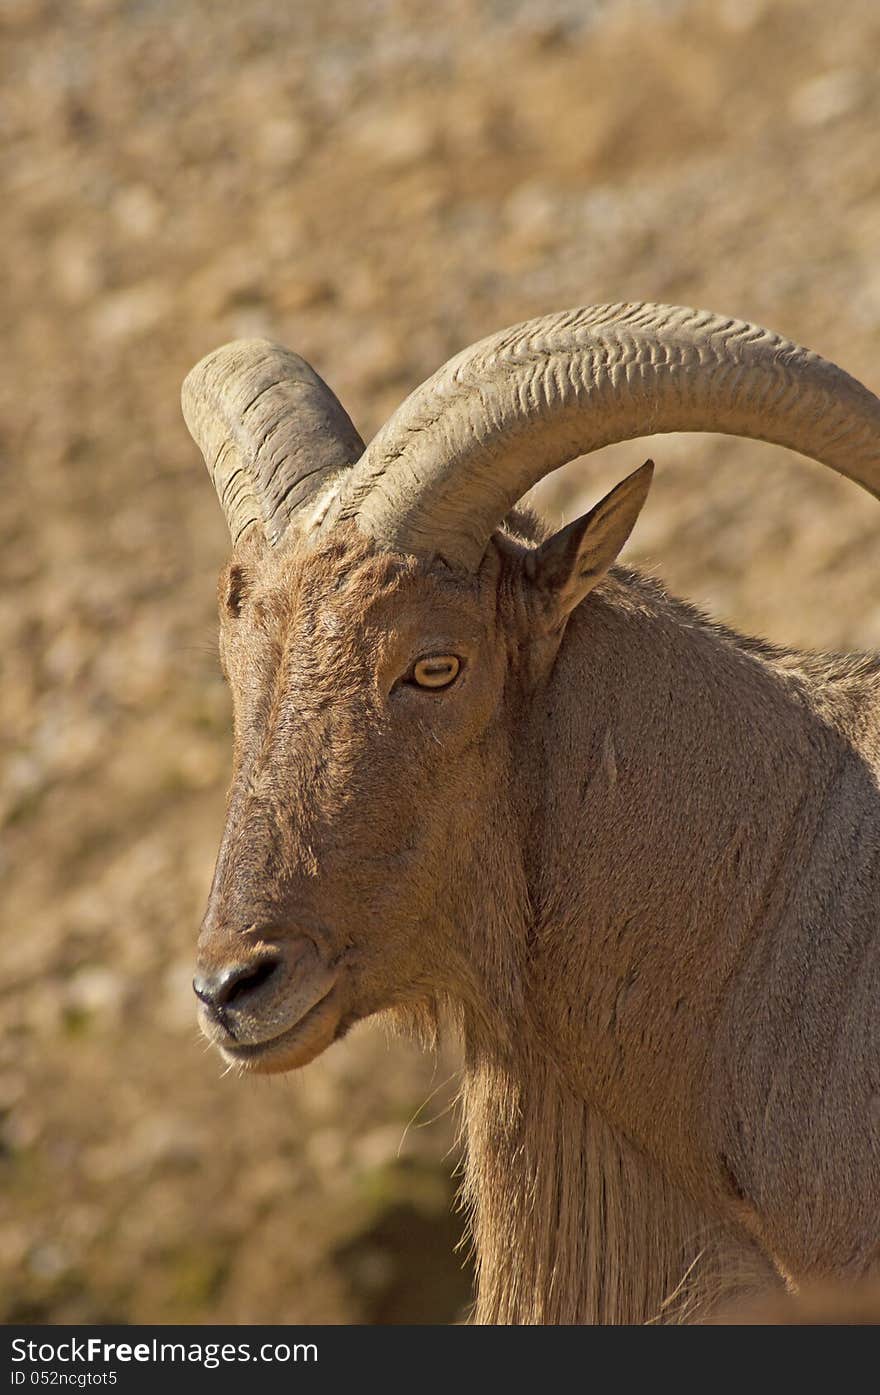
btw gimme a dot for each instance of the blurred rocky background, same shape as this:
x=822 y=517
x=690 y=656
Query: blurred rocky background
x=376 y=183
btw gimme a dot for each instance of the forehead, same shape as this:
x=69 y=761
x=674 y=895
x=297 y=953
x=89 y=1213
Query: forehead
x=345 y=585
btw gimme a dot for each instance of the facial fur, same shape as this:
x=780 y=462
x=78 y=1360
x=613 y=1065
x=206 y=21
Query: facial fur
x=365 y=811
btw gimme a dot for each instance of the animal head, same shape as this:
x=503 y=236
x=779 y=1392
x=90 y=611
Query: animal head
x=386 y=625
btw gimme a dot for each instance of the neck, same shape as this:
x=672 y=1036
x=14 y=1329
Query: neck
x=670 y=789
x=674 y=789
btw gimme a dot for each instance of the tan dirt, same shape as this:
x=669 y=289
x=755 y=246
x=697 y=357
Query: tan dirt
x=375 y=185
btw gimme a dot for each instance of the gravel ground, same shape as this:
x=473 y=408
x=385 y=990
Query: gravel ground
x=376 y=184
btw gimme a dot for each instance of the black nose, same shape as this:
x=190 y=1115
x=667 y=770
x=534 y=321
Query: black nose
x=231 y=986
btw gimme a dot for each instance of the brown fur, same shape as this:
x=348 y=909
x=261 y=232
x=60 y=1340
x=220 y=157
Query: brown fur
x=819 y=1305
x=636 y=857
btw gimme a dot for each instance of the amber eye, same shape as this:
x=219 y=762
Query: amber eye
x=436 y=670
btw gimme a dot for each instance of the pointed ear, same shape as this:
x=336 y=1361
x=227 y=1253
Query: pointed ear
x=567 y=566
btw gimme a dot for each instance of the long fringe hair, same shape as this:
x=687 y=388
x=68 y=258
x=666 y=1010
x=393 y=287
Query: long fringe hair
x=571 y=1224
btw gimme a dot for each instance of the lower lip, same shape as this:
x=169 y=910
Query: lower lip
x=300 y=1044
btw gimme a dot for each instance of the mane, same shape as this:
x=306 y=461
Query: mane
x=572 y=1224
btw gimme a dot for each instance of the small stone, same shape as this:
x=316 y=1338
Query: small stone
x=828 y=97
x=137 y=210
x=98 y=991
x=127 y=313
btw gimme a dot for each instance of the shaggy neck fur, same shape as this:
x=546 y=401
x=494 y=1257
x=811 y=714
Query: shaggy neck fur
x=571 y=1224
x=614 y=1167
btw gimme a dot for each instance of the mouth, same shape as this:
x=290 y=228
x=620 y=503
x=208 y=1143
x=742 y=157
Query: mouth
x=297 y=1045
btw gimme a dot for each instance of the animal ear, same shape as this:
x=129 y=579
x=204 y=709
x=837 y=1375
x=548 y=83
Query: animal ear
x=567 y=566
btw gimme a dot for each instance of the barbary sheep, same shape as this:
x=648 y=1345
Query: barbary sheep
x=482 y=774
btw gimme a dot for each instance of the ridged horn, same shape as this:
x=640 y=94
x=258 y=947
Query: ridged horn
x=272 y=433
x=468 y=443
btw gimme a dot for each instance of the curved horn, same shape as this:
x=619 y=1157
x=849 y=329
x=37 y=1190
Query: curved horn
x=271 y=431
x=462 y=448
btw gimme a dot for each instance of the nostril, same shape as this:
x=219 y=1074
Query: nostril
x=220 y=991
x=248 y=980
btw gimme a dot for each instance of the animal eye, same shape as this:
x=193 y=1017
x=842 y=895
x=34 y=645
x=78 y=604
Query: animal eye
x=436 y=671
